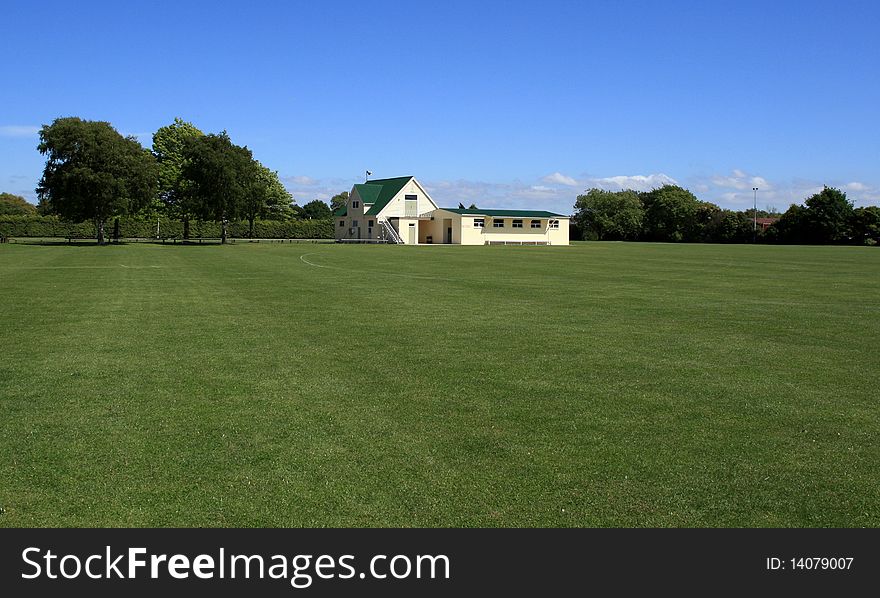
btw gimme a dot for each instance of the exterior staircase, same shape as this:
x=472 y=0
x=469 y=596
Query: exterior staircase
x=390 y=233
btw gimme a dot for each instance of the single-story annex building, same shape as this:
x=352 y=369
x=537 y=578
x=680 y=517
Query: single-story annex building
x=399 y=210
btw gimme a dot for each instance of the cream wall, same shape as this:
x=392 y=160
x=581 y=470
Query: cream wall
x=527 y=234
x=469 y=234
x=559 y=236
x=342 y=232
x=432 y=228
x=403 y=229
x=438 y=227
x=397 y=208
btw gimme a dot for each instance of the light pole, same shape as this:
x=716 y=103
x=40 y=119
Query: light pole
x=755 y=212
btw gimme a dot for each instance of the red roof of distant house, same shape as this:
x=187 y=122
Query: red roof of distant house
x=767 y=221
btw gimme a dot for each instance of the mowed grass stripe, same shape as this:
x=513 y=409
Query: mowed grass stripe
x=600 y=384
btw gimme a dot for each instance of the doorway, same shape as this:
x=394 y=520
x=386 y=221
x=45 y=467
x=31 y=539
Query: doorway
x=447 y=237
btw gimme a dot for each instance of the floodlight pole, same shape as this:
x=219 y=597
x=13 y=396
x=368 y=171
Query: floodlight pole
x=755 y=212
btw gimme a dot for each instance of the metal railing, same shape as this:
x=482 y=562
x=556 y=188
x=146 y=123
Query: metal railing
x=390 y=231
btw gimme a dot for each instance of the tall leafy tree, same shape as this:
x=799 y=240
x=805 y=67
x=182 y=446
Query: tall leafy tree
x=790 y=226
x=731 y=227
x=169 y=145
x=220 y=176
x=866 y=225
x=16 y=205
x=94 y=173
x=264 y=195
x=827 y=217
x=338 y=200
x=316 y=210
x=610 y=215
x=669 y=213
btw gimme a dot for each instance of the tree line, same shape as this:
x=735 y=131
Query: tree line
x=93 y=173
x=674 y=214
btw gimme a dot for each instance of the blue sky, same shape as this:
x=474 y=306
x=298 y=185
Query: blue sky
x=507 y=104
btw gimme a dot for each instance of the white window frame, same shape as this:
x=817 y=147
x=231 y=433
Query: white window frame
x=535 y=224
x=498 y=223
x=517 y=223
x=554 y=224
x=479 y=222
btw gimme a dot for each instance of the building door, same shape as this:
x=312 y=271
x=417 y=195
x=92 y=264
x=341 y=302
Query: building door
x=412 y=233
x=449 y=235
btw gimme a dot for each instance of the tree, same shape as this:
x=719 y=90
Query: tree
x=94 y=173
x=827 y=217
x=865 y=225
x=316 y=210
x=16 y=205
x=338 y=200
x=220 y=176
x=264 y=195
x=169 y=148
x=790 y=226
x=704 y=224
x=732 y=227
x=669 y=213
x=609 y=215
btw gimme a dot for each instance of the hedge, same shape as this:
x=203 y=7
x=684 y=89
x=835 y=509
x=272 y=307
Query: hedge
x=50 y=226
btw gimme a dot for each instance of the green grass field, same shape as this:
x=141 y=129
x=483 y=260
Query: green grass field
x=602 y=384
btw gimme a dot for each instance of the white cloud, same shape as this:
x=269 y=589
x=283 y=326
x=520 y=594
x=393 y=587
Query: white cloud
x=555 y=193
x=741 y=180
x=559 y=179
x=305 y=188
x=18 y=130
x=636 y=182
x=301 y=180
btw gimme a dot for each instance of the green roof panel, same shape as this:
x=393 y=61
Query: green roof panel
x=506 y=213
x=368 y=192
x=389 y=188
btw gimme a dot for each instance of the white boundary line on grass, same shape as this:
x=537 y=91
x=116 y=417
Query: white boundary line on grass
x=304 y=260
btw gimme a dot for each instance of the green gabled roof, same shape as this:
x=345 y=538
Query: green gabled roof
x=368 y=192
x=389 y=188
x=506 y=213
x=341 y=210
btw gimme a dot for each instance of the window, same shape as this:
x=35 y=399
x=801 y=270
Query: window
x=370 y=223
x=355 y=224
x=479 y=223
x=536 y=224
x=498 y=223
x=410 y=205
x=554 y=224
x=412 y=224
x=341 y=223
x=517 y=224
x=355 y=204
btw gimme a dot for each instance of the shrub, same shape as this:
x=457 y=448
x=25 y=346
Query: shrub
x=130 y=226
